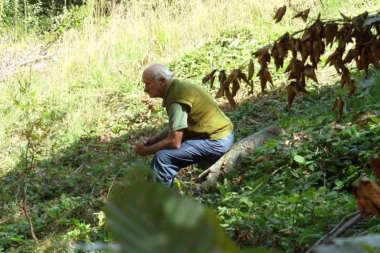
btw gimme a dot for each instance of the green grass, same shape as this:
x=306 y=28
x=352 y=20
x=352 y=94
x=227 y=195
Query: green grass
x=80 y=116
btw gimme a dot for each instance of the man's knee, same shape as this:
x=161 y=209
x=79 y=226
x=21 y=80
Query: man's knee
x=160 y=165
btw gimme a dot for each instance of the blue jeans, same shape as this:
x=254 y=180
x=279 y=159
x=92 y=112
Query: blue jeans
x=167 y=162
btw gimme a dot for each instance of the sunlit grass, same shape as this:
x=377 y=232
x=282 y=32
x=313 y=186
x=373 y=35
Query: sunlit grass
x=108 y=54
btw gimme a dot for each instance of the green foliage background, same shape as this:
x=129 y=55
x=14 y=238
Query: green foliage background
x=67 y=131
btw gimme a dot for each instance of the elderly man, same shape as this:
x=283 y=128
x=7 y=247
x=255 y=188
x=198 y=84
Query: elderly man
x=198 y=130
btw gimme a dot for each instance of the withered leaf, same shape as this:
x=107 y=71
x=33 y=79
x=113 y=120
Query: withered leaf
x=345 y=79
x=332 y=57
x=370 y=192
x=280 y=13
x=264 y=59
x=338 y=105
x=230 y=98
x=235 y=87
x=222 y=77
x=293 y=89
x=251 y=91
x=220 y=92
x=212 y=80
x=375 y=166
x=309 y=71
x=296 y=70
x=209 y=76
x=231 y=77
x=345 y=18
x=303 y=15
x=361 y=202
x=263 y=50
x=243 y=77
x=305 y=50
x=331 y=32
x=278 y=62
x=349 y=56
x=290 y=65
x=352 y=88
x=267 y=75
x=251 y=70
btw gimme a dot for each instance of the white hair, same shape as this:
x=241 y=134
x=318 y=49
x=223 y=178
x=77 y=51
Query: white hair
x=159 y=71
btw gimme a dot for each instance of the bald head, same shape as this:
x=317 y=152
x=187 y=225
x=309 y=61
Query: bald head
x=157 y=71
x=156 y=77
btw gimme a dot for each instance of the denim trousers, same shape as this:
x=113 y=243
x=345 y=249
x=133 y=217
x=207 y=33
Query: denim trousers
x=167 y=162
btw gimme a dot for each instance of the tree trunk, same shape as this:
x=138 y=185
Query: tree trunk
x=238 y=151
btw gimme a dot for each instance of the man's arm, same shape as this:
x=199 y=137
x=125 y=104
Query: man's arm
x=158 y=137
x=170 y=137
x=172 y=141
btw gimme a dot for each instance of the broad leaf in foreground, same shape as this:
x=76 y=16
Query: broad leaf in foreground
x=148 y=217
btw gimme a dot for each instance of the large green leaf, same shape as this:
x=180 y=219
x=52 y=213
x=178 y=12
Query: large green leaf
x=148 y=217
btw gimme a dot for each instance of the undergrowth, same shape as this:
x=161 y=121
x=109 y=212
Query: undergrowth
x=67 y=134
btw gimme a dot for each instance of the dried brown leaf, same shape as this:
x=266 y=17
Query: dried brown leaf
x=338 y=105
x=220 y=92
x=352 y=88
x=290 y=65
x=309 y=71
x=296 y=70
x=345 y=79
x=212 y=80
x=291 y=94
x=267 y=75
x=243 y=76
x=251 y=91
x=370 y=192
x=303 y=15
x=280 y=13
x=293 y=89
x=230 y=98
x=264 y=59
x=251 y=70
x=263 y=50
x=235 y=87
x=305 y=50
x=331 y=32
x=361 y=202
x=231 y=77
x=209 y=76
x=345 y=18
x=349 y=56
x=222 y=77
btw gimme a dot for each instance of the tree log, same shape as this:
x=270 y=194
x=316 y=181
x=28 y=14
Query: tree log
x=238 y=151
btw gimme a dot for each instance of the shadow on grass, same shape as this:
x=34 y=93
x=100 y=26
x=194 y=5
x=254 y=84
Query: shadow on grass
x=66 y=192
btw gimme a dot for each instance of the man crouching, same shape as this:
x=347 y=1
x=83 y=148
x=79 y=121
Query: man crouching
x=198 y=130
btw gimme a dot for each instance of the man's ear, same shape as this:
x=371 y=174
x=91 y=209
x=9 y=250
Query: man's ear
x=163 y=80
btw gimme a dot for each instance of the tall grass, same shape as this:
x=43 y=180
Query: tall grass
x=107 y=54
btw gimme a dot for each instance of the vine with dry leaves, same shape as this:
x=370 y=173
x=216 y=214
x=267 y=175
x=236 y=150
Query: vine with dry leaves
x=359 y=36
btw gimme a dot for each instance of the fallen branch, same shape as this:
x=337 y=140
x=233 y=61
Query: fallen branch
x=239 y=150
x=338 y=230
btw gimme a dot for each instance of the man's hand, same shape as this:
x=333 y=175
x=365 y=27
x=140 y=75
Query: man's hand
x=140 y=148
